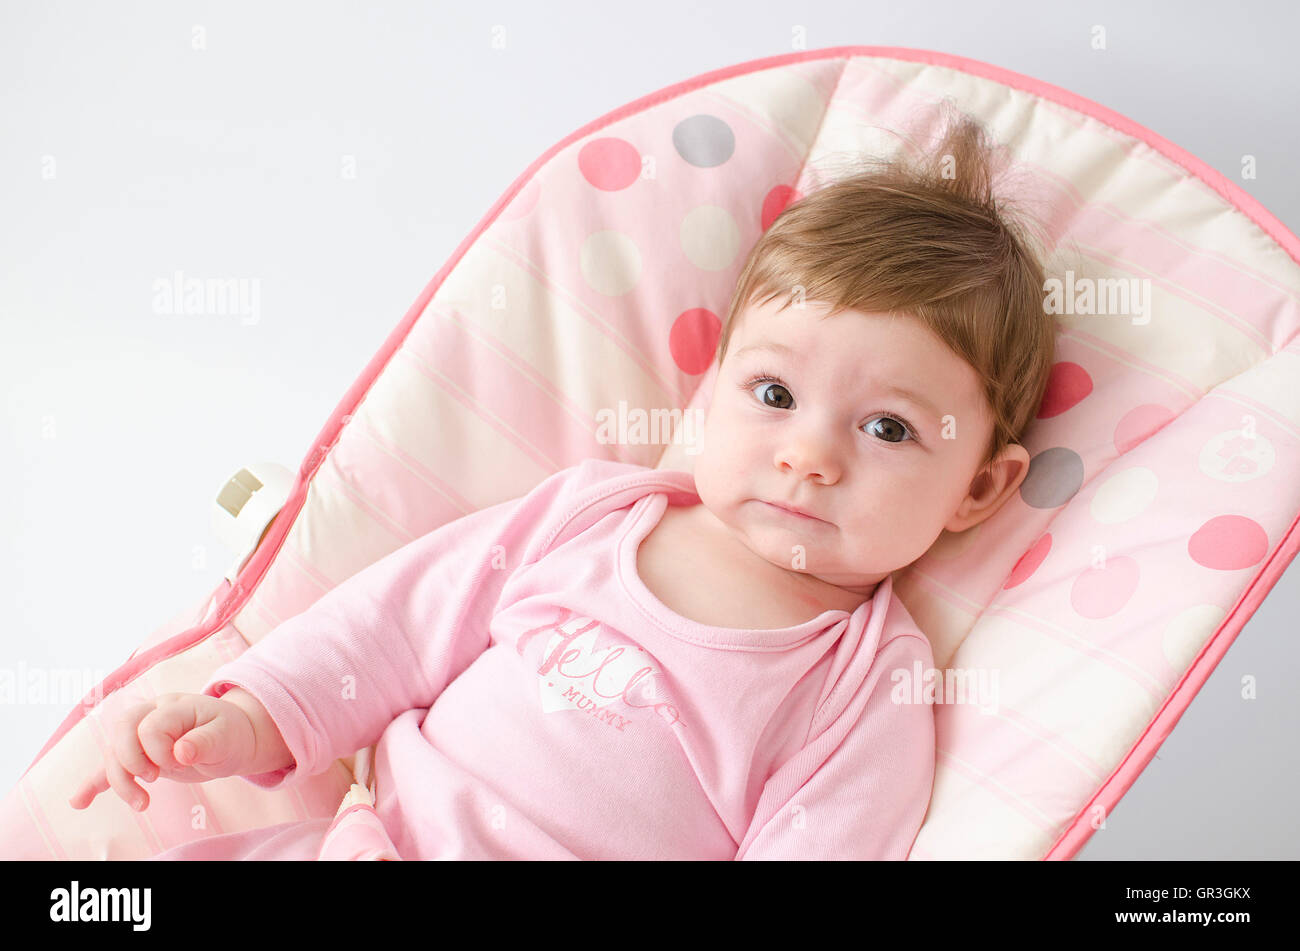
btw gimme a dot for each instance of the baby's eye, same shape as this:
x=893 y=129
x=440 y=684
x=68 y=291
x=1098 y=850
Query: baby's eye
x=895 y=428
x=783 y=398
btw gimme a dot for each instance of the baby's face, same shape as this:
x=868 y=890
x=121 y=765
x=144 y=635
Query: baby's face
x=832 y=439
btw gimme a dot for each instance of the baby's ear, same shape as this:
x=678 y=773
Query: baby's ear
x=991 y=487
x=1015 y=458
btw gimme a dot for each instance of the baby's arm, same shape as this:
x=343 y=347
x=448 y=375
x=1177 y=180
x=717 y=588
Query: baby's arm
x=330 y=680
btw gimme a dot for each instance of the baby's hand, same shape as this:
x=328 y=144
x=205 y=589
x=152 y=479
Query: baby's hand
x=187 y=737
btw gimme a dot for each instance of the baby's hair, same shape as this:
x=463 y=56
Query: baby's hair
x=926 y=239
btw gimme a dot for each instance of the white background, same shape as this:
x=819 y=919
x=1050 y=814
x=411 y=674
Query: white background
x=120 y=423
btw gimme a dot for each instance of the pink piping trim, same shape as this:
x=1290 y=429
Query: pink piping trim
x=1160 y=727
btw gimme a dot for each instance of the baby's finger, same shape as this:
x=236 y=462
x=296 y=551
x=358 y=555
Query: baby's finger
x=127 y=749
x=205 y=745
x=159 y=732
x=88 y=790
x=124 y=785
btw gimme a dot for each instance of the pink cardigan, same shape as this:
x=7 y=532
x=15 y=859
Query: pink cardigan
x=532 y=699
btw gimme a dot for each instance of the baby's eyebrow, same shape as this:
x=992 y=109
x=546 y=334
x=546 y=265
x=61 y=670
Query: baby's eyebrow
x=918 y=399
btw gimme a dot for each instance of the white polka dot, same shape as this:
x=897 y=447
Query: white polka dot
x=1184 y=636
x=710 y=237
x=610 y=262
x=1124 y=495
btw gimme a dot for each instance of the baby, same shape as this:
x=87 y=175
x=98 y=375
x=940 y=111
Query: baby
x=635 y=663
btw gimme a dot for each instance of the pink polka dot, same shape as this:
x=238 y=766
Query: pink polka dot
x=1228 y=542
x=693 y=339
x=1067 y=385
x=1102 y=592
x=1030 y=561
x=524 y=202
x=1139 y=424
x=775 y=202
x=609 y=164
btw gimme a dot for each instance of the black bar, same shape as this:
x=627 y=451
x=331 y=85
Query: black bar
x=621 y=902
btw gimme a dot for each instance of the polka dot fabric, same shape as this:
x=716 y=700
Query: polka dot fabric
x=1162 y=498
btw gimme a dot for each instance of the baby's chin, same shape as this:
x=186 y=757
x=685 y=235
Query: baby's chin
x=781 y=553
x=769 y=539
x=776 y=545
x=781 y=550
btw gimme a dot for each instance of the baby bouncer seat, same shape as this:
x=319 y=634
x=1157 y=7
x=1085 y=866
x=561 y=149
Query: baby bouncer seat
x=1160 y=507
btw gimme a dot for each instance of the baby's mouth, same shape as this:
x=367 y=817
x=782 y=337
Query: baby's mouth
x=793 y=513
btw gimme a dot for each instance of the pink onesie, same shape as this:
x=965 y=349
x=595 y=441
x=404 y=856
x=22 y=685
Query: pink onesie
x=532 y=699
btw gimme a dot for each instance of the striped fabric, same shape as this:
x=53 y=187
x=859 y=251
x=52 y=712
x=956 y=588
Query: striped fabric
x=579 y=319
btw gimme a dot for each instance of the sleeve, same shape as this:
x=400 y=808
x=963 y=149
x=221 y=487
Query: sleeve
x=868 y=799
x=391 y=637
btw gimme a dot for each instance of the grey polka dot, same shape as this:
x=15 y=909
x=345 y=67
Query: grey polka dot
x=1054 y=477
x=704 y=140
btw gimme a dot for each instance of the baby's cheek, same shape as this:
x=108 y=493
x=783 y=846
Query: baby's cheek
x=893 y=538
x=917 y=534
x=716 y=470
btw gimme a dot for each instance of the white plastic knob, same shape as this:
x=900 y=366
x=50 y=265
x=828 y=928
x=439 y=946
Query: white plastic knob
x=245 y=506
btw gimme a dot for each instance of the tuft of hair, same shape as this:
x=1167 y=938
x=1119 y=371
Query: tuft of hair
x=931 y=240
